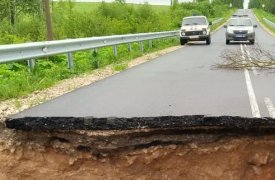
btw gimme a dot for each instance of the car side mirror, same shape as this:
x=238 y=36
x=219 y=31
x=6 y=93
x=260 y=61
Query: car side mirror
x=225 y=26
x=255 y=26
x=210 y=23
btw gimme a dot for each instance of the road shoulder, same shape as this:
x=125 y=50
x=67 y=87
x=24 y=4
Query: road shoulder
x=264 y=26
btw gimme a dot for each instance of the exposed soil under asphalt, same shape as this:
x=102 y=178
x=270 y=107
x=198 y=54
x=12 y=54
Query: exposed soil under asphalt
x=143 y=154
x=206 y=148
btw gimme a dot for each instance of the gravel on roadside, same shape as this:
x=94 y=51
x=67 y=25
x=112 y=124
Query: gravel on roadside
x=13 y=106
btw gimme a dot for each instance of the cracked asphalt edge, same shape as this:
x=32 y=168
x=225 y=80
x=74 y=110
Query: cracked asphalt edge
x=52 y=124
x=13 y=106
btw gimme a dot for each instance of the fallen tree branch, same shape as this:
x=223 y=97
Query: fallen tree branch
x=253 y=57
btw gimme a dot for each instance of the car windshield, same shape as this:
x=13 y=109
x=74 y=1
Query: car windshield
x=240 y=22
x=194 y=21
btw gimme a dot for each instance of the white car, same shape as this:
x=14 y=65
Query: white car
x=240 y=29
x=195 y=28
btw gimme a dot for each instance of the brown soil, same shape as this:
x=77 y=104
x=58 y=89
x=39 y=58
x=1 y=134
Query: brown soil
x=147 y=154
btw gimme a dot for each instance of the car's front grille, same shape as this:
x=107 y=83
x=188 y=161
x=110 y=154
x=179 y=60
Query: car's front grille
x=240 y=32
x=193 y=33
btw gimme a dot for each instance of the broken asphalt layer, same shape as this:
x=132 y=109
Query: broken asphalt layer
x=136 y=123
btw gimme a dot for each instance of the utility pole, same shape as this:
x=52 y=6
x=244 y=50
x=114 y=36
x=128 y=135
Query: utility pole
x=48 y=20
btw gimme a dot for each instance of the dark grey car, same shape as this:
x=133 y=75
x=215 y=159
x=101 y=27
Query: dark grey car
x=240 y=29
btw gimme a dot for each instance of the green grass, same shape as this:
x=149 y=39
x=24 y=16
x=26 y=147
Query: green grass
x=92 y=6
x=120 y=67
x=86 y=6
x=263 y=14
x=16 y=80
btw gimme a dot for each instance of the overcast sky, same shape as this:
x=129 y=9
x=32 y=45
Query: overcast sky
x=245 y=4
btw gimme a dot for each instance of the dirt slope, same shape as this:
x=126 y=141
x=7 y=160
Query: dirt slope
x=83 y=155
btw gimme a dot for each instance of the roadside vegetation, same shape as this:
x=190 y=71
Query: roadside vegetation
x=260 y=13
x=266 y=5
x=24 y=22
x=264 y=9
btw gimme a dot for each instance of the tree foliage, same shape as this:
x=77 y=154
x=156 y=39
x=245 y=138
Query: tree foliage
x=109 y=18
x=12 y=9
x=235 y=3
x=268 y=5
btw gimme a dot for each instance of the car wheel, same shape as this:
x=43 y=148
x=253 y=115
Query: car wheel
x=227 y=41
x=252 y=42
x=183 y=42
x=208 y=41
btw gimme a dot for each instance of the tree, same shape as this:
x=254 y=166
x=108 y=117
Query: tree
x=4 y=6
x=120 y=1
x=269 y=5
x=174 y=2
x=48 y=20
x=11 y=9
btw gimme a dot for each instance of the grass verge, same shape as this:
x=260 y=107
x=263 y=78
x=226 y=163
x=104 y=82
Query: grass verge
x=225 y=18
x=260 y=14
x=16 y=80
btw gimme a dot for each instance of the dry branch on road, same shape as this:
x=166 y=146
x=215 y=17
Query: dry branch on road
x=253 y=57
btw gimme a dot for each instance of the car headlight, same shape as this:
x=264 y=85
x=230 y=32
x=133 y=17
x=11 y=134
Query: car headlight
x=250 y=31
x=204 y=31
x=230 y=31
x=183 y=32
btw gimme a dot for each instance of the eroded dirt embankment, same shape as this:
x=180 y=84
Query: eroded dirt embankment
x=147 y=154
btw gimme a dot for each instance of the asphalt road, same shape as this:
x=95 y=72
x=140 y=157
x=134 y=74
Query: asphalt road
x=184 y=82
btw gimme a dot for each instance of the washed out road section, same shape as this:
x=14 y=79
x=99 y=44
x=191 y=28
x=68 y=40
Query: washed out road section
x=183 y=83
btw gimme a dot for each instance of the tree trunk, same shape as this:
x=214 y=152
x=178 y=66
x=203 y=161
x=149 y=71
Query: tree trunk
x=48 y=20
x=12 y=11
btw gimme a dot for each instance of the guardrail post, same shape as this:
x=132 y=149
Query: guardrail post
x=95 y=64
x=70 y=60
x=141 y=46
x=115 y=50
x=31 y=64
x=150 y=43
x=129 y=47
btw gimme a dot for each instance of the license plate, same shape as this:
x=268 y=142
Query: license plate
x=240 y=35
x=194 y=37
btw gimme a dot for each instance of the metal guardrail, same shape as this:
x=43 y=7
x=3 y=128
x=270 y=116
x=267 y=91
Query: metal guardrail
x=34 y=50
x=31 y=51
x=271 y=24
